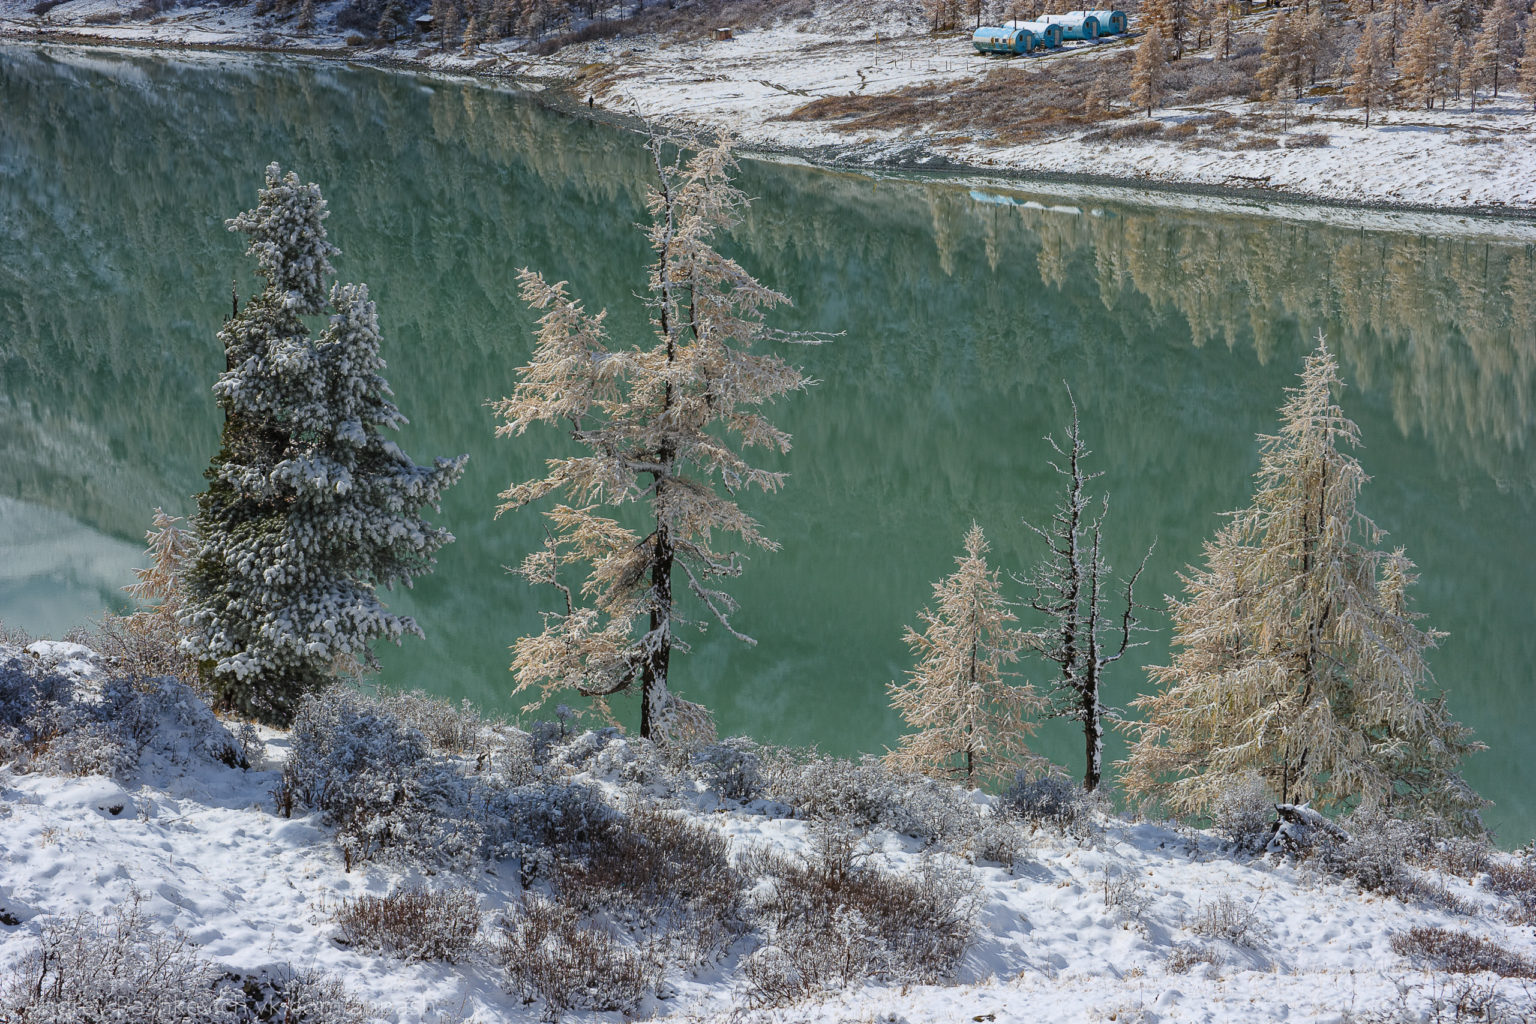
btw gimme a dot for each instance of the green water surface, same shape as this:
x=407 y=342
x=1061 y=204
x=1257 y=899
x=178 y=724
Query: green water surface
x=965 y=307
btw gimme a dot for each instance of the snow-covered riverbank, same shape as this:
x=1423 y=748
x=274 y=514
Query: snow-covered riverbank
x=753 y=84
x=1093 y=918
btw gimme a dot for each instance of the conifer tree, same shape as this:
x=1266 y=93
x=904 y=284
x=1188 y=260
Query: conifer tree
x=1283 y=63
x=1458 y=69
x=1370 y=82
x=1495 y=52
x=392 y=21
x=1224 y=31
x=309 y=509
x=1424 y=64
x=1528 y=69
x=663 y=429
x=971 y=722
x=1296 y=655
x=1171 y=19
x=1070 y=586
x=1147 y=72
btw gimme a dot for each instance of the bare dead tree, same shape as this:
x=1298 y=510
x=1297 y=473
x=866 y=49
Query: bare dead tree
x=1070 y=586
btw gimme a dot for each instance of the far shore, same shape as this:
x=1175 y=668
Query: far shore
x=1454 y=162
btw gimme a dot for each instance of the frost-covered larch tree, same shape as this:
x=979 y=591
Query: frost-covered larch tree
x=1070 y=586
x=1149 y=70
x=1296 y=655
x=970 y=721
x=309 y=508
x=663 y=431
x=1371 y=72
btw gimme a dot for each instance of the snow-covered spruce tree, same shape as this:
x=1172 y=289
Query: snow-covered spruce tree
x=1069 y=587
x=1296 y=656
x=971 y=722
x=309 y=509
x=663 y=428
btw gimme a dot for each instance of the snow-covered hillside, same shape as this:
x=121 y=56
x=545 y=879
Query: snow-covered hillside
x=1093 y=917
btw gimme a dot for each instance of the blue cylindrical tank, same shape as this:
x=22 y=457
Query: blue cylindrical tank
x=1075 y=24
x=1003 y=40
x=1046 y=34
x=1111 y=23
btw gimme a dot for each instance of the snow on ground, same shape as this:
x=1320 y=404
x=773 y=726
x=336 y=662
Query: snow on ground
x=1455 y=158
x=1089 y=925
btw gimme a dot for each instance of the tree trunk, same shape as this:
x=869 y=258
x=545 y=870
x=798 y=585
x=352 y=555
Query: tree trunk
x=653 y=679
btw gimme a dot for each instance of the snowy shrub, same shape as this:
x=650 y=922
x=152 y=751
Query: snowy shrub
x=658 y=872
x=412 y=924
x=449 y=728
x=1185 y=957
x=1374 y=851
x=544 y=823
x=1001 y=839
x=1516 y=882
x=294 y=997
x=1461 y=953
x=1052 y=799
x=827 y=921
x=1244 y=813
x=52 y=723
x=35 y=706
x=1230 y=920
x=88 y=968
x=1124 y=894
x=861 y=792
x=168 y=717
x=550 y=954
x=1307 y=140
x=554 y=745
x=730 y=768
x=936 y=812
x=376 y=781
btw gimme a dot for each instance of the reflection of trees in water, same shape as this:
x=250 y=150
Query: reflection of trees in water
x=1446 y=326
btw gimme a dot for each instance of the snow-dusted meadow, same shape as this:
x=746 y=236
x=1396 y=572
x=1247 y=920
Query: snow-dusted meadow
x=1100 y=918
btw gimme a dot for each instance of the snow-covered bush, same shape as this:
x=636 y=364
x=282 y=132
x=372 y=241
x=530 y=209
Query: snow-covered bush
x=659 y=873
x=1185 y=957
x=1461 y=953
x=1244 y=813
x=117 y=968
x=545 y=822
x=284 y=996
x=376 y=780
x=730 y=768
x=1231 y=920
x=36 y=707
x=450 y=728
x=549 y=953
x=1052 y=799
x=829 y=921
x=816 y=786
x=1516 y=882
x=412 y=924
x=52 y=722
x=1001 y=839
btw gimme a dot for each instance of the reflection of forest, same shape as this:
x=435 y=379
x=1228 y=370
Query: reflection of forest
x=455 y=186
x=961 y=316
